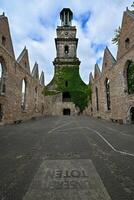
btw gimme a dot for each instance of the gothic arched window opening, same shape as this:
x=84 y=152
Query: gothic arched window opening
x=66 y=49
x=105 y=64
x=107 y=88
x=97 y=99
x=2 y=79
x=25 y=65
x=3 y=40
x=23 y=94
x=130 y=77
x=36 y=98
x=127 y=43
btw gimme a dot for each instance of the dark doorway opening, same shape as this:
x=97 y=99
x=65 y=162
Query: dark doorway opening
x=132 y=115
x=66 y=111
x=66 y=97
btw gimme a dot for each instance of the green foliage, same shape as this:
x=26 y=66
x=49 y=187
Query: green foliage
x=130 y=75
x=79 y=91
x=132 y=7
x=116 y=37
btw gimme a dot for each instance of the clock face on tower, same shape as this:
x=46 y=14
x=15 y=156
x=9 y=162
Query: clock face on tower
x=66 y=33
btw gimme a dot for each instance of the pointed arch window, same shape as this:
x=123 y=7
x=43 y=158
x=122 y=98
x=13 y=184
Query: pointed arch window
x=23 y=94
x=36 y=98
x=130 y=77
x=127 y=43
x=2 y=78
x=107 y=89
x=25 y=65
x=97 y=99
x=3 y=40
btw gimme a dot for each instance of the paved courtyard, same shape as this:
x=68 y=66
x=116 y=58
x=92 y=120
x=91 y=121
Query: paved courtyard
x=67 y=158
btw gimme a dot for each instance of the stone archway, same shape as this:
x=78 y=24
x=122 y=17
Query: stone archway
x=132 y=115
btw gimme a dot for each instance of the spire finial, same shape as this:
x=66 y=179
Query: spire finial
x=66 y=16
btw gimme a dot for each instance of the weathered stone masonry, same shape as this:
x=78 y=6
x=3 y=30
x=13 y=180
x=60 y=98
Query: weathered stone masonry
x=111 y=95
x=21 y=95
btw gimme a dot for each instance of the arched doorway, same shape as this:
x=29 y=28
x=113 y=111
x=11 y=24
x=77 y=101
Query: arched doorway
x=132 y=115
x=66 y=111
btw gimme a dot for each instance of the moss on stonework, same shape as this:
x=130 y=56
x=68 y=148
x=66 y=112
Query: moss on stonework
x=67 y=79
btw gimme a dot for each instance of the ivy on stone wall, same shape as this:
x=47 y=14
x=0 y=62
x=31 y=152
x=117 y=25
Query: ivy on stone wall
x=67 y=79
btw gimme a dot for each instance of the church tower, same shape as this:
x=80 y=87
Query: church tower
x=68 y=92
x=66 y=41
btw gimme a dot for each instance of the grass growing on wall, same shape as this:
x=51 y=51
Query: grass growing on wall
x=67 y=79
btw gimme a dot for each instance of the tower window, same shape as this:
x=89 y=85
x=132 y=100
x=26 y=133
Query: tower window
x=66 y=83
x=66 y=49
x=66 y=18
x=127 y=43
x=3 y=40
x=66 y=97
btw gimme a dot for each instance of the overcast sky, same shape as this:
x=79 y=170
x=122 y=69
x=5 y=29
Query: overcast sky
x=33 y=24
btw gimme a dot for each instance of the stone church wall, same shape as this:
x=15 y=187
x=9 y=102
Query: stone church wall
x=14 y=72
x=116 y=72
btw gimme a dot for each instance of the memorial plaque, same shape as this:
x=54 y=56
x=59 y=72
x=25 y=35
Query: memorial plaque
x=67 y=180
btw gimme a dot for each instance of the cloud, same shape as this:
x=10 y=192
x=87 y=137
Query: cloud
x=33 y=23
x=83 y=19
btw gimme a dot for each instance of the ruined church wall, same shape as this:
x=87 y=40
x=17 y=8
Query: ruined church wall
x=11 y=100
